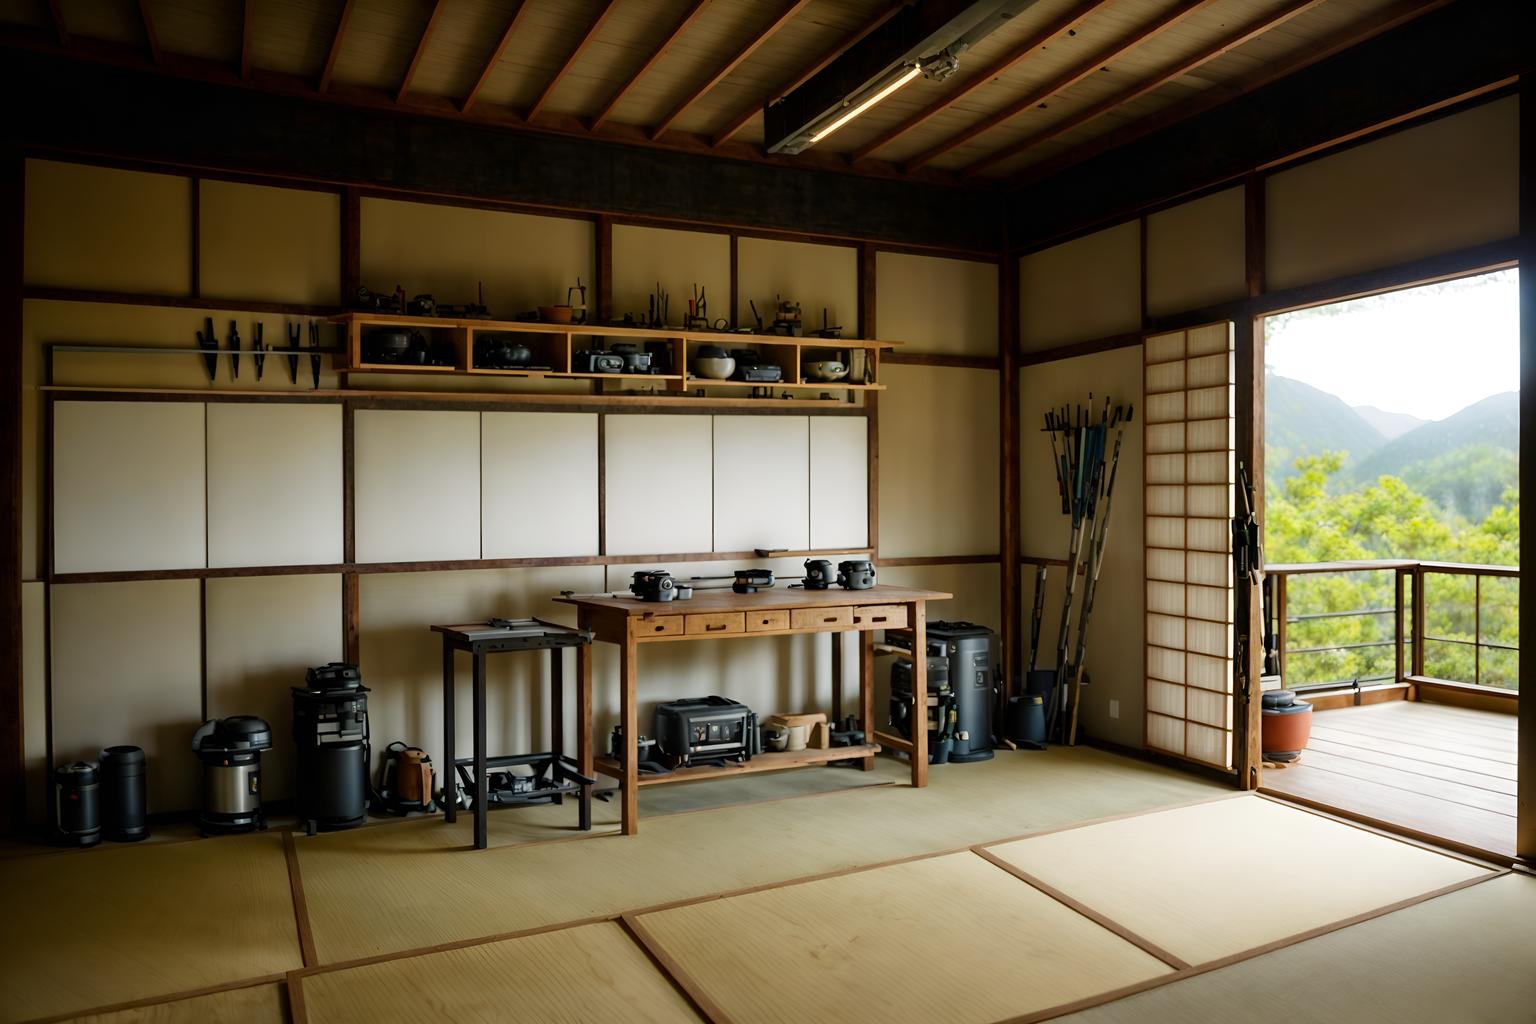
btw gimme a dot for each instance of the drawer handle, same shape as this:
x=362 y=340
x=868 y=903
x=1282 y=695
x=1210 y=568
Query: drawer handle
x=765 y=622
x=661 y=629
x=709 y=628
x=877 y=618
x=830 y=618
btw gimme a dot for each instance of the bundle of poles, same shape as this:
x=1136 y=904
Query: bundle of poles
x=1086 y=467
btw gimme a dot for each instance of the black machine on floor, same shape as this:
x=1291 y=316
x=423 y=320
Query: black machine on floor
x=961 y=690
x=330 y=736
x=707 y=730
x=230 y=749
x=76 y=804
x=123 y=799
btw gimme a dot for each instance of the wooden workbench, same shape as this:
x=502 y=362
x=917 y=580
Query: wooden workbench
x=631 y=623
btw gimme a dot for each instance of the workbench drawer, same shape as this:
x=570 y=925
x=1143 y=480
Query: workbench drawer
x=660 y=625
x=821 y=618
x=760 y=622
x=880 y=616
x=714 y=623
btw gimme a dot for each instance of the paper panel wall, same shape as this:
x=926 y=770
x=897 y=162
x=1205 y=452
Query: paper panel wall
x=934 y=304
x=658 y=489
x=817 y=276
x=1196 y=253
x=417 y=488
x=839 y=481
x=1087 y=288
x=677 y=260
x=762 y=482
x=538 y=484
x=272 y=244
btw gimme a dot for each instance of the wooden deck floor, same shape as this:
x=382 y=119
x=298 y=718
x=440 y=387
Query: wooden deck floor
x=1440 y=771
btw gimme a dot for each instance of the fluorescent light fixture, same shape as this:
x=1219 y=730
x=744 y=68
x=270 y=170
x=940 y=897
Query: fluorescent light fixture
x=853 y=112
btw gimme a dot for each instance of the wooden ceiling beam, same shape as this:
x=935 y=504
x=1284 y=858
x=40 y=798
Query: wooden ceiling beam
x=1071 y=77
x=1246 y=34
x=1367 y=27
x=784 y=18
x=656 y=55
x=421 y=48
x=741 y=120
x=495 y=58
x=335 y=51
x=60 y=30
x=586 y=40
x=247 y=19
x=1044 y=36
x=151 y=40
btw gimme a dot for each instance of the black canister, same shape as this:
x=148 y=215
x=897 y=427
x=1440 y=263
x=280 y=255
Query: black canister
x=76 y=812
x=123 y=817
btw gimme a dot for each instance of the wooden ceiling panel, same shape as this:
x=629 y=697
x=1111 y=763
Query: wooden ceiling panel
x=463 y=40
x=210 y=29
x=627 y=39
x=27 y=13
x=109 y=22
x=293 y=36
x=546 y=34
x=381 y=39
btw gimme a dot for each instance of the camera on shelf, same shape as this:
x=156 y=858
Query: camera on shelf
x=655 y=585
x=596 y=361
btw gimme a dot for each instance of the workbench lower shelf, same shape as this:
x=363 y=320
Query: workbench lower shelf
x=772 y=761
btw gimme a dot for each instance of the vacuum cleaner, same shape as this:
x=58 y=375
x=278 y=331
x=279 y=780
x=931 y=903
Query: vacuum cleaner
x=330 y=736
x=230 y=749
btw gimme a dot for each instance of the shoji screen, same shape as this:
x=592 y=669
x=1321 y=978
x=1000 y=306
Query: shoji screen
x=1189 y=481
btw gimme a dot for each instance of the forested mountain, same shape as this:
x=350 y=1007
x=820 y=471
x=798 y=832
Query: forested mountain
x=1390 y=424
x=1300 y=419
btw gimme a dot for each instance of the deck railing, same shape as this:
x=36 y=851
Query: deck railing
x=1358 y=624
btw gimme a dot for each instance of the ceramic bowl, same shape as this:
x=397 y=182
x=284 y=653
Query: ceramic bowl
x=825 y=369
x=714 y=367
x=555 y=314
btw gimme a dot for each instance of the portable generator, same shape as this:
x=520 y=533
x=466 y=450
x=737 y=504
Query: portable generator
x=961 y=681
x=330 y=736
x=707 y=729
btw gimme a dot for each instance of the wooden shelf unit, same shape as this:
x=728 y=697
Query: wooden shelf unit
x=554 y=344
x=769 y=761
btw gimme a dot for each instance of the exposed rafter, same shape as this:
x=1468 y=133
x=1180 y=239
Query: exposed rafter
x=151 y=40
x=650 y=62
x=247 y=20
x=1352 y=35
x=1246 y=34
x=336 y=41
x=421 y=48
x=741 y=120
x=784 y=18
x=983 y=78
x=586 y=39
x=1076 y=74
x=495 y=57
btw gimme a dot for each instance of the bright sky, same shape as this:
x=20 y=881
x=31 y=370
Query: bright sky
x=1429 y=351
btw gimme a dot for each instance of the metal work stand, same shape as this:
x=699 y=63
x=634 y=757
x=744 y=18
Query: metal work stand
x=564 y=774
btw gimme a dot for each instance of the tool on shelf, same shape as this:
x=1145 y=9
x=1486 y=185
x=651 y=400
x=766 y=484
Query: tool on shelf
x=206 y=339
x=234 y=351
x=786 y=318
x=756 y=316
x=258 y=348
x=295 y=334
x=314 y=357
x=827 y=330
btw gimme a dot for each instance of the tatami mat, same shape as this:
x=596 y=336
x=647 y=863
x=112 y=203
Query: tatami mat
x=384 y=890
x=258 y=1004
x=1218 y=878
x=590 y=973
x=1466 y=957
x=951 y=938
x=110 y=926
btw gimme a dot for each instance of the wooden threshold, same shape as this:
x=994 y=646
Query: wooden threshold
x=771 y=761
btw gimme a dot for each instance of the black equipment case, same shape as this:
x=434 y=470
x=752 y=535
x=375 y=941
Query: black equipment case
x=964 y=650
x=707 y=729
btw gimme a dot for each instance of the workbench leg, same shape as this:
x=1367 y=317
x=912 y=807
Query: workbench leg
x=584 y=723
x=867 y=693
x=629 y=688
x=482 y=787
x=837 y=678
x=450 y=795
x=557 y=713
x=919 y=718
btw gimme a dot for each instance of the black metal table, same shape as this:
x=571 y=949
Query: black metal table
x=570 y=776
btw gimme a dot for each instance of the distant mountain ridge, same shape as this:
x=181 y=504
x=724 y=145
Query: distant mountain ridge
x=1464 y=463
x=1391 y=425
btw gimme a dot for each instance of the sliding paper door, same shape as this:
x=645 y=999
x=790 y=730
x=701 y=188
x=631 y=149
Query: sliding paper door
x=1190 y=434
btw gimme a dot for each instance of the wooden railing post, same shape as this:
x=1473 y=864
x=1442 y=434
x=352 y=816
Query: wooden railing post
x=1397 y=622
x=1282 y=611
x=1418 y=620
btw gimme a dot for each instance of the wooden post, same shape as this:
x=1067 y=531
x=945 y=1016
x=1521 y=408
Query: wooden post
x=1010 y=528
x=1397 y=625
x=1247 y=705
x=1418 y=620
x=584 y=715
x=919 y=718
x=629 y=688
x=12 y=763
x=867 y=693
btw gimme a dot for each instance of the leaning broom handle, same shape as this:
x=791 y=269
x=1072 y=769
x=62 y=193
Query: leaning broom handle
x=1095 y=565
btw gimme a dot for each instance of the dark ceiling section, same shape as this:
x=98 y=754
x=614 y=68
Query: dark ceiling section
x=1451 y=52
x=94 y=109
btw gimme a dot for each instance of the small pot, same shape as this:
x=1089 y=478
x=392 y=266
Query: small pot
x=714 y=367
x=556 y=314
x=825 y=370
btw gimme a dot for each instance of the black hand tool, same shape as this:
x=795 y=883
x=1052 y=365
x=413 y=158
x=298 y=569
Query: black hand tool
x=234 y=355
x=258 y=348
x=207 y=340
x=295 y=332
x=314 y=358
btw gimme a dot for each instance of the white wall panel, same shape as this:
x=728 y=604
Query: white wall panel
x=276 y=244
x=128 y=486
x=417 y=485
x=34 y=698
x=127 y=668
x=262 y=632
x=839 y=481
x=1087 y=288
x=762 y=482
x=274 y=484
x=1434 y=188
x=934 y=304
x=538 y=485
x=658 y=484
x=1196 y=254
x=817 y=276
